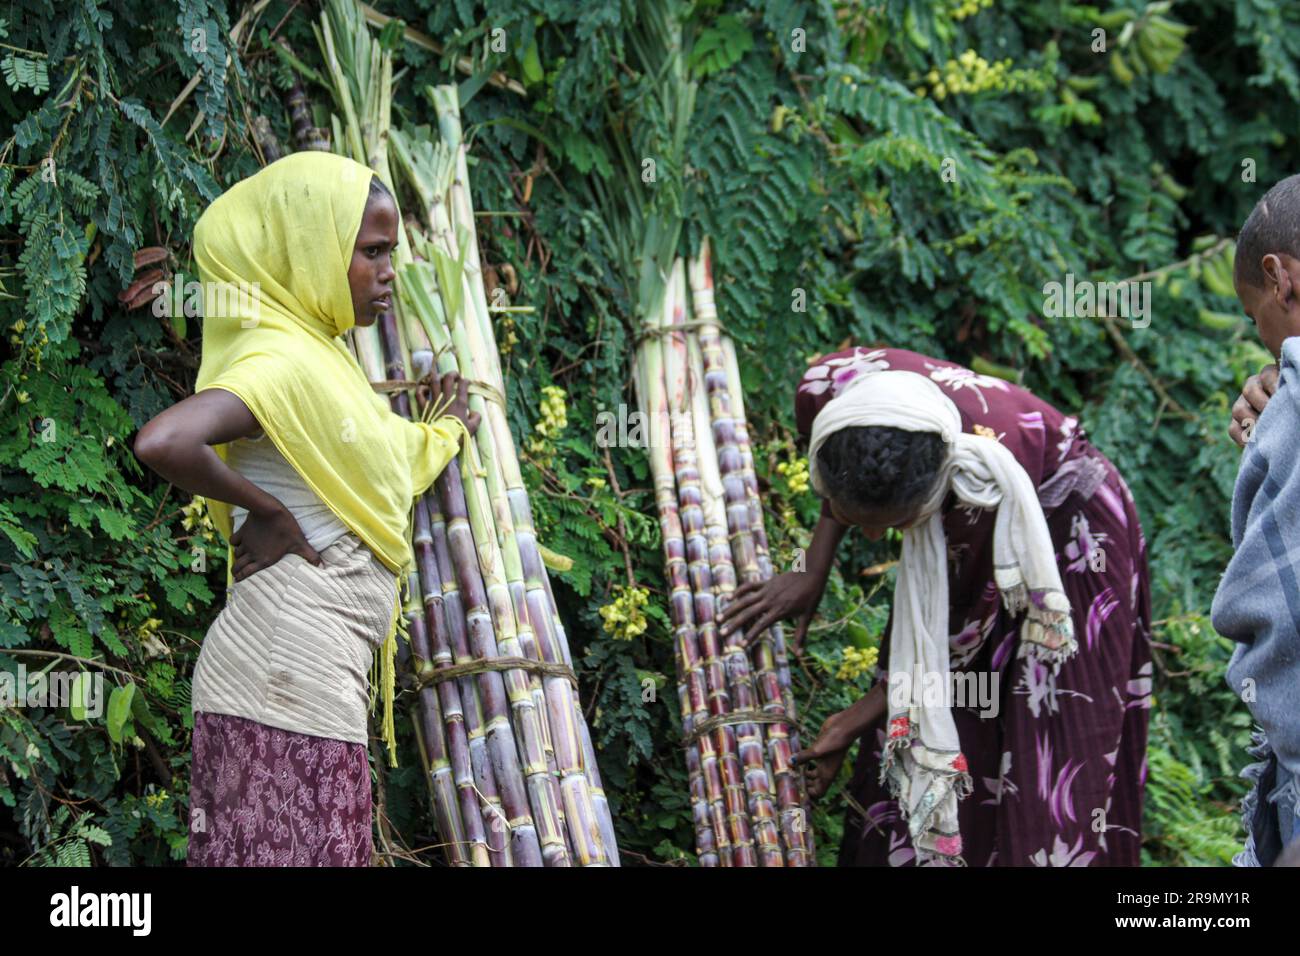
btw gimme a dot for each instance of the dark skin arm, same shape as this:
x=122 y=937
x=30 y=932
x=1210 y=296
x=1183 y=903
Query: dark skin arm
x=835 y=738
x=177 y=445
x=758 y=605
x=455 y=388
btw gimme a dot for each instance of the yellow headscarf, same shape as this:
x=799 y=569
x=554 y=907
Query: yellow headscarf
x=273 y=254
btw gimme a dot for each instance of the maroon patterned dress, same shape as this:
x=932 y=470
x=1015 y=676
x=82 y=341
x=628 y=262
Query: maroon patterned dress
x=1060 y=766
x=263 y=796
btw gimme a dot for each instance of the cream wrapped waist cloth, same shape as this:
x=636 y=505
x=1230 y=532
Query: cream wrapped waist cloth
x=294 y=644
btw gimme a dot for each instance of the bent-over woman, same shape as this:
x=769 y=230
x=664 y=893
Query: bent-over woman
x=1009 y=724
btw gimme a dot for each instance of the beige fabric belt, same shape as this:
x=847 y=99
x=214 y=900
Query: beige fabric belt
x=293 y=646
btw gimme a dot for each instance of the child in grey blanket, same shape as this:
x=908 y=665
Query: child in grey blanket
x=1258 y=600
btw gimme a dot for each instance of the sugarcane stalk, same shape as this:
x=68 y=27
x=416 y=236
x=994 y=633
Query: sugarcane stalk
x=484 y=782
x=525 y=570
x=717 y=576
x=690 y=511
x=573 y=748
x=712 y=841
x=793 y=813
x=497 y=601
x=427 y=630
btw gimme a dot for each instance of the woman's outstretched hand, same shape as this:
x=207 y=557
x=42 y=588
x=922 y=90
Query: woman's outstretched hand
x=453 y=390
x=264 y=538
x=837 y=735
x=758 y=605
x=829 y=749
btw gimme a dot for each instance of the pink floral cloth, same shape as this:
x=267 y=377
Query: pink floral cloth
x=262 y=796
x=1059 y=764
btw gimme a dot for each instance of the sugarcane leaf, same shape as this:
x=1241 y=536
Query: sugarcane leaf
x=292 y=62
x=465 y=90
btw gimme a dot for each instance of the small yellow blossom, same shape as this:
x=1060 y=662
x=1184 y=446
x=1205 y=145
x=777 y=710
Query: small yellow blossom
x=857 y=662
x=623 y=617
x=796 y=474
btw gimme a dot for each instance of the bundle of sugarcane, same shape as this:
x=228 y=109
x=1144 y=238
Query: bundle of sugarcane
x=738 y=715
x=507 y=753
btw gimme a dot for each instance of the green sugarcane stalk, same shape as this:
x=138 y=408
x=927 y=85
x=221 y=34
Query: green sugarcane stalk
x=339 y=17
x=711 y=577
x=496 y=603
x=712 y=842
x=530 y=589
x=499 y=692
x=498 y=559
x=690 y=514
x=567 y=748
x=713 y=376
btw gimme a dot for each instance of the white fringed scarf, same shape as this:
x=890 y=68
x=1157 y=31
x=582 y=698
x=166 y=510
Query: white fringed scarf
x=922 y=759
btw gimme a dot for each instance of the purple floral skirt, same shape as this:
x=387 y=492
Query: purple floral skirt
x=262 y=796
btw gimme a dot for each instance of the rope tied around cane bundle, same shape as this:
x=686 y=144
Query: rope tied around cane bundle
x=486 y=664
x=485 y=389
x=710 y=724
x=658 y=331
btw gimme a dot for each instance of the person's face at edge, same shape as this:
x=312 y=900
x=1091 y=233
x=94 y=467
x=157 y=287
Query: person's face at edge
x=872 y=521
x=1275 y=308
x=370 y=274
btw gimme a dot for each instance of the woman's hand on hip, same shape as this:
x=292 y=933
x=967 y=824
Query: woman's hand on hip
x=758 y=605
x=266 y=537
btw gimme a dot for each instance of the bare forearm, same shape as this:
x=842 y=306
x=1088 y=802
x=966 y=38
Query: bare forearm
x=826 y=541
x=868 y=709
x=199 y=470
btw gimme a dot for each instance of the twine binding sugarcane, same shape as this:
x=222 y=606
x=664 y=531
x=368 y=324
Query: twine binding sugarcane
x=658 y=331
x=483 y=665
x=710 y=724
x=486 y=389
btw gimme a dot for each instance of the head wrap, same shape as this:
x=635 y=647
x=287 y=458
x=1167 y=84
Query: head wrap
x=273 y=254
x=922 y=759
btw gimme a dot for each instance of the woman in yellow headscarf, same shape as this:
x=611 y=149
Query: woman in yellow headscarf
x=310 y=477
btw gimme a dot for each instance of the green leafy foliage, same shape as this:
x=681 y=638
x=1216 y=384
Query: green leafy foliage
x=846 y=201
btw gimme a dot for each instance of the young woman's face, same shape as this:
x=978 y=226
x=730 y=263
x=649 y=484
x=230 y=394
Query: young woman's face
x=872 y=521
x=370 y=273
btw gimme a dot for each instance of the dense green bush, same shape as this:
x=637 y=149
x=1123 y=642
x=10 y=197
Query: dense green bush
x=916 y=194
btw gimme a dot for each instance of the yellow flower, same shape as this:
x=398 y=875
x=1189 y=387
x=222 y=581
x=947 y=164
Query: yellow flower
x=857 y=662
x=623 y=616
x=554 y=415
x=796 y=474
